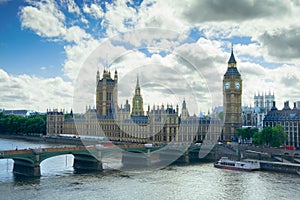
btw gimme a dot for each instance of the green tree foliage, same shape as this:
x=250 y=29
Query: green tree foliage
x=271 y=136
x=257 y=138
x=267 y=133
x=246 y=133
x=278 y=136
x=22 y=125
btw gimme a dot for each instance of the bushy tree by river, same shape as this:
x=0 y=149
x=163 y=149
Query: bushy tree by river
x=246 y=133
x=270 y=136
x=11 y=124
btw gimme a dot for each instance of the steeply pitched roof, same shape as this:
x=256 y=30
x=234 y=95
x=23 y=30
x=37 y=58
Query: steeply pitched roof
x=231 y=59
x=232 y=71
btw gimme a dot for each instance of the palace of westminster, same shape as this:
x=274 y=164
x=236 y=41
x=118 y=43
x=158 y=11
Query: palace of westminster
x=162 y=125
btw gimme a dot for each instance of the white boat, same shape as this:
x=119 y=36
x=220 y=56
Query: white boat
x=245 y=165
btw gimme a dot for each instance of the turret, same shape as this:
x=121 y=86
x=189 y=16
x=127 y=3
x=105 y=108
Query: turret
x=116 y=76
x=137 y=87
x=274 y=106
x=97 y=77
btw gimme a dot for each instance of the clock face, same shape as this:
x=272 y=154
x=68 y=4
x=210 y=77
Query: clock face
x=237 y=85
x=227 y=85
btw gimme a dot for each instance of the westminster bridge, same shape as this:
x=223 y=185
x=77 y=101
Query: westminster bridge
x=89 y=158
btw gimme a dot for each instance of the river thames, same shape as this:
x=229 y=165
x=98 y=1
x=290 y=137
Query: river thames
x=197 y=181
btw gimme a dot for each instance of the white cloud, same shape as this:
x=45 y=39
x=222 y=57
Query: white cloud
x=44 y=18
x=183 y=74
x=77 y=35
x=119 y=18
x=94 y=10
x=71 y=6
x=268 y=32
x=30 y=92
x=252 y=49
x=76 y=56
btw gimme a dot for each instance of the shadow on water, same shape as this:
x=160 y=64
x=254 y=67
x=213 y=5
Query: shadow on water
x=20 y=180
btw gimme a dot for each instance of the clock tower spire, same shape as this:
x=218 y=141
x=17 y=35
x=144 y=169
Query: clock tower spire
x=137 y=101
x=232 y=99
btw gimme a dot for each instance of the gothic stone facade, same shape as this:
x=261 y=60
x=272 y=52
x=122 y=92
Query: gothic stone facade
x=160 y=125
x=232 y=100
x=289 y=119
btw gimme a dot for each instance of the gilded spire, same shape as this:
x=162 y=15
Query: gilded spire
x=231 y=61
x=137 y=82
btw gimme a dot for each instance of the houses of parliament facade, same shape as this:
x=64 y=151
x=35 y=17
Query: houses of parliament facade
x=157 y=125
x=164 y=124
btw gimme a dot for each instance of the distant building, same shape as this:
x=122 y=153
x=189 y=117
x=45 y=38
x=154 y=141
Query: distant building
x=23 y=113
x=298 y=104
x=254 y=116
x=264 y=101
x=55 y=122
x=289 y=119
x=159 y=125
x=249 y=116
x=262 y=105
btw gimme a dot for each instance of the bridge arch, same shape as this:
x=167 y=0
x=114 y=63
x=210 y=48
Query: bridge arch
x=45 y=155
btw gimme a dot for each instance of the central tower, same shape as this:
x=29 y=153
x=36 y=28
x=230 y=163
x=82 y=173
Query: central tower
x=137 y=101
x=232 y=100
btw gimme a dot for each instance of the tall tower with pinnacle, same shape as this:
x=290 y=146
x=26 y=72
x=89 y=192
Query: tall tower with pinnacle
x=106 y=93
x=137 y=101
x=232 y=99
x=184 y=111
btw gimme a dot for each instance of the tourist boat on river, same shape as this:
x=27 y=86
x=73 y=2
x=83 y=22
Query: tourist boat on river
x=245 y=165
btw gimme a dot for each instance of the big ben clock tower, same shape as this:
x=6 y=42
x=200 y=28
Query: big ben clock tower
x=232 y=100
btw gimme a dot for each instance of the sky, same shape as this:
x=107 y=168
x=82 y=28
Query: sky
x=50 y=51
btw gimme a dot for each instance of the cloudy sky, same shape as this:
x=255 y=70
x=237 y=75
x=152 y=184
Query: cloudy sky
x=50 y=50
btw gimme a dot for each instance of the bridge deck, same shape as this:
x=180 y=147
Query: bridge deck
x=139 y=147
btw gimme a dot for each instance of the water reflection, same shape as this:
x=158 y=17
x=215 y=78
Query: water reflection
x=198 y=181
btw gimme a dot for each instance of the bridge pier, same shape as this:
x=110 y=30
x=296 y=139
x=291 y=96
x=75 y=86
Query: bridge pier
x=132 y=160
x=186 y=157
x=27 y=168
x=84 y=163
x=183 y=159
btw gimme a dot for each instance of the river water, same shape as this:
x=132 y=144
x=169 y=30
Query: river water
x=197 y=181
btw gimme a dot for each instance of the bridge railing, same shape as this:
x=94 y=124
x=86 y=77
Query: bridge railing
x=14 y=152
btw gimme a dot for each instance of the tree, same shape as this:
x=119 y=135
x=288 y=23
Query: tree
x=246 y=133
x=258 y=138
x=278 y=136
x=271 y=136
x=22 y=125
x=267 y=135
